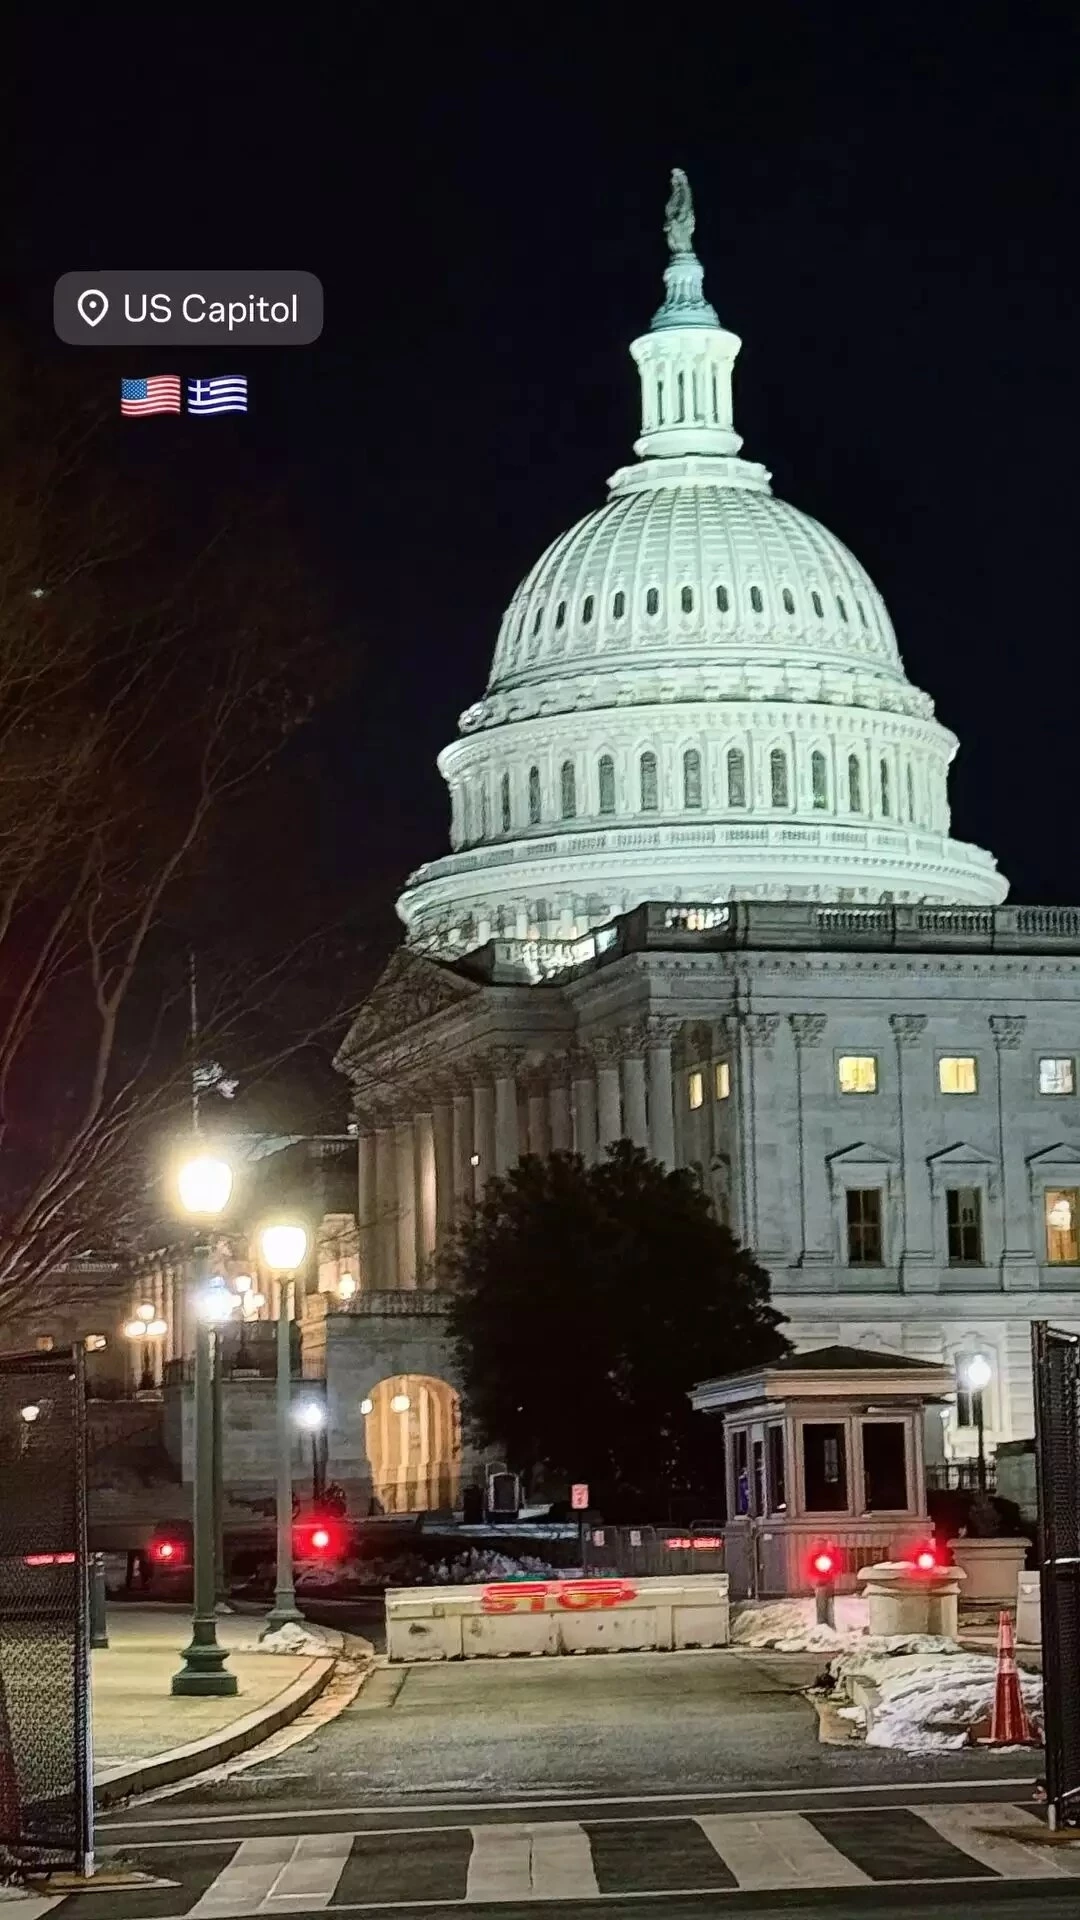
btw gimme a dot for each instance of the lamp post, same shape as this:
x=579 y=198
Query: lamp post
x=283 y=1245
x=204 y=1185
x=146 y=1326
x=311 y=1415
x=977 y=1375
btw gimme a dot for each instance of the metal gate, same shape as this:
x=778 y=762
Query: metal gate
x=1056 y=1367
x=46 y=1777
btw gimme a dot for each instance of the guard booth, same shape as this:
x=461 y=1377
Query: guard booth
x=822 y=1449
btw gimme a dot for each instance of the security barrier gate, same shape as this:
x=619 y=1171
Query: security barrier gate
x=1056 y=1367
x=46 y=1784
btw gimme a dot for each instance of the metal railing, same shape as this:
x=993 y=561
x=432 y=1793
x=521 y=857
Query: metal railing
x=649 y=1549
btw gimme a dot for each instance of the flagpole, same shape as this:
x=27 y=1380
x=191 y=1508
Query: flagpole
x=193 y=1036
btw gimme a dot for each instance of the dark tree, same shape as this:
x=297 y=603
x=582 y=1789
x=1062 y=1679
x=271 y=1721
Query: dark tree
x=587 y=1302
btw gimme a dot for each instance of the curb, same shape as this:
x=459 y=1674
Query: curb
x=162 y=1769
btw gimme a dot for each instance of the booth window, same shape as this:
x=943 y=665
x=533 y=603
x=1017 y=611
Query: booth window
x=741 y=1462
x=825 y=1466
x=777 y=1477
x=884 y=1446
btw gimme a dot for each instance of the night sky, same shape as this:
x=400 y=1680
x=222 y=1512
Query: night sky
x=887 y=213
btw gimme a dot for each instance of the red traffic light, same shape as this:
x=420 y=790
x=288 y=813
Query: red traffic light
x=926 y=1559
x=167 y=1553
x=320 y=1539
x=823 y=1563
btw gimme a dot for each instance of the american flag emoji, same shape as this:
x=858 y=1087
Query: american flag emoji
x=160 y=394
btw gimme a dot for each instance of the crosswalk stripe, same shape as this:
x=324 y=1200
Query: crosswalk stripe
x=311 y=1876
x=562 y=1863
x=500 y=1867
x=778 y=1850
x=251 y=1874
x=965 y=1826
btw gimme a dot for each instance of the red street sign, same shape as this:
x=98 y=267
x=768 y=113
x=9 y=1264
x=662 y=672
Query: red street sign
x=579 y=1495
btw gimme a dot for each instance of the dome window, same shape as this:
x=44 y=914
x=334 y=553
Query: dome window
x=854 y=784
x=722 y=601
x=691 y=777
x=618 y=605
x=819 y=781
x=534 y=796
x=736 y=778
x=816 y=602
x=606 y=776
x=886 y=790
x=568 y=791
x=659 y=403
x=755 y=599
x=650 y=794
x=681 y=389
x=841 y=608
x=587 y=609
x=715 y=400
x=485 y=813
x=910 y=794
x=652 y=600
x=789 y=600
x=560 y=614
x=504 y=802
x=778 y=778
x=862 y=613
x=687 y=599
x=537 y=620
x=466 y=815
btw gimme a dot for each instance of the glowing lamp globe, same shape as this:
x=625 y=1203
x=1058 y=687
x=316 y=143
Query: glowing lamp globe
x=367 y=1406
x=400 y=1403
x=157 y=1329
x=977 y=1373
x=204 y=1185
x=214 y=1305
x=346 y=1286
x=310 y=1415
x=283 y=1246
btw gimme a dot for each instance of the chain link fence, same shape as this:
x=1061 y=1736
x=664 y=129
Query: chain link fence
x=649 y=1549
x=46 y=1786
x=1056 y=1368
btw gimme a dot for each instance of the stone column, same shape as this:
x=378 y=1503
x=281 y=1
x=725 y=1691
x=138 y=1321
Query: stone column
x=661 y=1033
x=445 y=1183
x=760 y=1030
x=484 y=1136
x=504 y=1066
x=583 y=1080
x=916 y=1216
x=605 y=1049
x=536 y=1086
x=814 y=1238
x=365 y=1207
x=464 y=1184
x=635 y=1103
x=384 y=1240
x=560 y=1118
x=424 y=1176
x=404 y=1154
x=1017 y=1251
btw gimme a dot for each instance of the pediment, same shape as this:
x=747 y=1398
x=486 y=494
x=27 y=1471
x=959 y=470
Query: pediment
x=1061 y=1155
x=410 y=991
x=960 y=1154
x=861 y=1154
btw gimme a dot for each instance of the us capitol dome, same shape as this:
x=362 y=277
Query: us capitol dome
x=696 y=695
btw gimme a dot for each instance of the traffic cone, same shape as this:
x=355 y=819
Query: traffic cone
x=1009 y=1726
x=10 y=1809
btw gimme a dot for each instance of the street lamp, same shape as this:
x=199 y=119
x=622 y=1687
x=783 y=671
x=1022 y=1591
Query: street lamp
x=145 y=1327
x=977 y=1376
x=204 y=1184
x=283 y=1245
x=346 y=1286
x=311 y=1415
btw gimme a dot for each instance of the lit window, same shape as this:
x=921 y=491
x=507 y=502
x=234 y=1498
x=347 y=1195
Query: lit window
x=652 y=600
x=957 y=1074
x=695 y=1088
x=1062 y=1236
x=818 y=608
x=44 y=1343
x=722 y=601
x=857 y=1073
x=95 y=1342
x=534 y=796
x=560 y=614
x=723 y=1079
x=618 y=606
x=778 y=777
x=686 y=600
x=864 y=1226
x=568 y=790
x=1057 y=1075
x=963 y=1214
x=970 y=1405
x=504 y=802
x=606 y=773
x=649 y=792
x=587 y=609
x=819 y=780
x=691 y=772
x=789 y=600
x=755 y=599
x=736 y=778
x=854 y=783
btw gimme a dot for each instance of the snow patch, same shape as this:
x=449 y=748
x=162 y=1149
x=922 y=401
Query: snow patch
x=791 y=1626
x=927 y=1701
x=294 y=1638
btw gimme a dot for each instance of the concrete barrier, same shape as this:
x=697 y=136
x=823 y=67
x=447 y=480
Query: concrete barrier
x=1029 y=1610
x=614 y=1615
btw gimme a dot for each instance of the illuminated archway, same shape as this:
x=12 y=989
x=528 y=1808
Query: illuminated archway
x=413 y=1440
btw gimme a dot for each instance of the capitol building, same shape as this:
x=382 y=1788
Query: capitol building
x=702 y=893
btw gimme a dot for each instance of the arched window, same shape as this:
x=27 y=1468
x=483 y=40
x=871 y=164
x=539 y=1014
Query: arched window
x=534 y=796
x=755 y=599
x=816 y=602
x=736 y=778
x=778 y=777
x=485 y=812
x=560 y=614
x=715 y=400
x=466 y=814
x=539 y=617
x=652 y=600
x=687 y=600
x=618 y=605
x=722 y=601
x=789 y=600
x=910 y=794
x=659 y=403
x=568 y=790
x=504 y=802
x=886 y=793
x=819 y=780
x=650 y=796
x=606 y=773
x=587 y=609
x=682 y=396
x=841 y=608
x=691 y=778
x=854 y=783
x=862 y=613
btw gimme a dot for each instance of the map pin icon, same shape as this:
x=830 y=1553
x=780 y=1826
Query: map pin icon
x=93 y=306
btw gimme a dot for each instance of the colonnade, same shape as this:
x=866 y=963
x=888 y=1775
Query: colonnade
x=432 y=1146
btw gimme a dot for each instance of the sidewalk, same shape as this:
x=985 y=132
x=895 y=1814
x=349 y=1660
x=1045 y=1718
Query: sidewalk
x=144 y=1735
